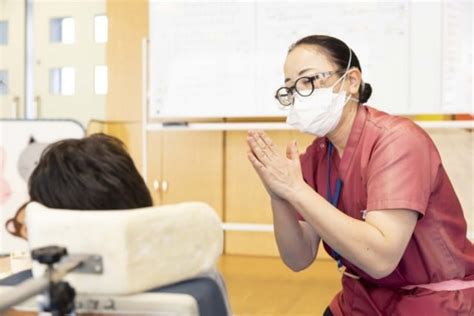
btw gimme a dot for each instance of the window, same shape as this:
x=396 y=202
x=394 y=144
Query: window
x=3 y=32
x=62 y=30
x=62 y=81
x=101 y=80
x=3 y=82
x=101 y=28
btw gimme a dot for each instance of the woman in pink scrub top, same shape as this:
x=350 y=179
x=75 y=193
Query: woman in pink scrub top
x=371 y=186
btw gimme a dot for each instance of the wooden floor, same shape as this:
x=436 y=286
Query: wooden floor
x=265 y=286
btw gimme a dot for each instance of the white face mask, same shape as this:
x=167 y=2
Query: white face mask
x=319 y=113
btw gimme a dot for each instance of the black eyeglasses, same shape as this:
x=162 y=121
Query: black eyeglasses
x=304 y=86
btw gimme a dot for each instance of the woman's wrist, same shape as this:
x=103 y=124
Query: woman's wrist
x=277 y=199
x=298 y=192
x=291 y=193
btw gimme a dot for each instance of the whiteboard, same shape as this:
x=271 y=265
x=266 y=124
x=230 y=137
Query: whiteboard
x=225 y=58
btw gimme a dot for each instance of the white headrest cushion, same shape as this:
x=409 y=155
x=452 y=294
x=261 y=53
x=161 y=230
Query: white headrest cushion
x=141 y=248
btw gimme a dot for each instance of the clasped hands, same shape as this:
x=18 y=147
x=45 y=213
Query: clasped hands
x=280 y=173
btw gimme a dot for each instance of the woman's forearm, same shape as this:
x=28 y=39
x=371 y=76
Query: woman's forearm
x=296 y=243
x=357 y=241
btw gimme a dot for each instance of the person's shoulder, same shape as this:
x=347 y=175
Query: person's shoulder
x=399 y=135
x=387 y=125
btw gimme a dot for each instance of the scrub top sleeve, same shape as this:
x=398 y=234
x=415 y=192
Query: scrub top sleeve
x=399 y=172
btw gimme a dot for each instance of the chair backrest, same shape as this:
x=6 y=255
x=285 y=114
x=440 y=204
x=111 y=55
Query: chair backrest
x=141 y=248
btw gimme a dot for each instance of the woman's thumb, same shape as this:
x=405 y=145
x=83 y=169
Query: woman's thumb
x=292 y=150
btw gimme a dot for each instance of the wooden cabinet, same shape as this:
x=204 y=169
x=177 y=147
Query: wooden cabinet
x=186 y=166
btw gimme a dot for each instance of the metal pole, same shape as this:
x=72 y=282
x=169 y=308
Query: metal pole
x=23 y=292
x=33 y=287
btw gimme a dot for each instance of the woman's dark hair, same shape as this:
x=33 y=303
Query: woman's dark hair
x=338 y=52
x=92 y=173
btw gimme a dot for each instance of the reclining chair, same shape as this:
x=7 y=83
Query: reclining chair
x=155 y=261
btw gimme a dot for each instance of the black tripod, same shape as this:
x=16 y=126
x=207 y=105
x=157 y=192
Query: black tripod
x=59 y=298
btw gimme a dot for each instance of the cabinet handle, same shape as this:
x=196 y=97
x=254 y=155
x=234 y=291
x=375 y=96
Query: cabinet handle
x=164 y=185
x=156 y=185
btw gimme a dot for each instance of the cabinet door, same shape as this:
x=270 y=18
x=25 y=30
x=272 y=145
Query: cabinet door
x=192 y=168
x=246 y=199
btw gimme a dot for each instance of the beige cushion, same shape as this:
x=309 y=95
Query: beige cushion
x=141 y=249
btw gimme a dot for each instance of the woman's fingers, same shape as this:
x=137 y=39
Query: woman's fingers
x=266 y=149
x=257 y=151
x=268 y=142
x=255 y=162
x=292 y=150
x=260 y=142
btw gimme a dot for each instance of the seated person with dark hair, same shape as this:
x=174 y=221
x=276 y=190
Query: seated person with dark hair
x=93 y=173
